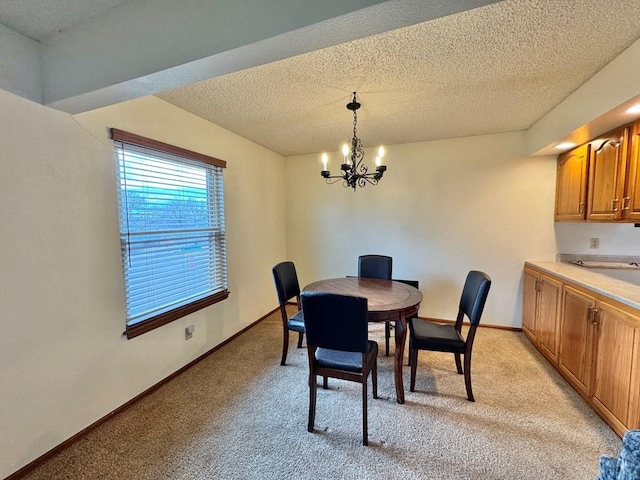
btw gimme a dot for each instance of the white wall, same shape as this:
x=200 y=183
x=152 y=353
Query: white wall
x=615 y=238
x=442 y=209
x=65 y=363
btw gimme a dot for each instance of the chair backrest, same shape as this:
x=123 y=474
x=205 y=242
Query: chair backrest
x=413 y=283
x=375 y=266
x=337 y=322
x=286 y=280
x=474 y=295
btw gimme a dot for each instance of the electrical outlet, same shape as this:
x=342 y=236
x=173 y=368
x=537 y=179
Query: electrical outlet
x=594 y=243
x=188 y=332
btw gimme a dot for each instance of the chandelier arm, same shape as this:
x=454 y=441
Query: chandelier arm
x=373 y=180
x=362 y=182
x=333 y=179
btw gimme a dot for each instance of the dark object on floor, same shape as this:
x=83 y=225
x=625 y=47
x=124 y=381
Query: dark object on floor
x=627 y=465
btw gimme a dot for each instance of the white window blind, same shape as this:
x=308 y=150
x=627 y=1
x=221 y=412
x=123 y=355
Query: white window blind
x=172 y=232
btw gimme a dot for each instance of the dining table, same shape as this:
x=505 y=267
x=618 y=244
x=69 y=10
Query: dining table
x=387 y=301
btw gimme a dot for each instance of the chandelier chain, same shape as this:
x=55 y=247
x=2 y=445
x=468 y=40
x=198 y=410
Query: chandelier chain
x=355 y=123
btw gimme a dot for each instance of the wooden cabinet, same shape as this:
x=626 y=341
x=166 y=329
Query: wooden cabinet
x=571 y=184
x=607 y=169
x=577 y=339
x=530 y=303
x=616 y=388
x=600 y=181
x=631 y=199
x=540 y=312
x=593 y=341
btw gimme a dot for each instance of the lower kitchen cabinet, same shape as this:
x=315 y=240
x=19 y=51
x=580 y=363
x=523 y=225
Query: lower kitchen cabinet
x=616 y=388
x=577 y=339
x=598 y=344
x=541 y=312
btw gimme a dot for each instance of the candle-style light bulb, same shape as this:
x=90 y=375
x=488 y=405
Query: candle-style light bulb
x=378 y=161
x=325 y=161
x=381 y=154
x=345 y=153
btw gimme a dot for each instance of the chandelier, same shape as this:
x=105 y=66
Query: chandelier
x=354 y=172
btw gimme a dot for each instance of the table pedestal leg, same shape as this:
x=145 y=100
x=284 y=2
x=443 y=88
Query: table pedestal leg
x=401 y=336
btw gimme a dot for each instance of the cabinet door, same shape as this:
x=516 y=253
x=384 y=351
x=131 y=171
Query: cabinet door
x=547 y=331
x=576 y=339
x=607 y=162
x=616 y=361
x=571 y=184
x=631 y=200
x=529 y=303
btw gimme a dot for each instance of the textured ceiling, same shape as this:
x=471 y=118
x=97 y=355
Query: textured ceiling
x=40 y=18
x=493 y=69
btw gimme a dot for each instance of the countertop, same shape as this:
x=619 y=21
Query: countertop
x=620 y=285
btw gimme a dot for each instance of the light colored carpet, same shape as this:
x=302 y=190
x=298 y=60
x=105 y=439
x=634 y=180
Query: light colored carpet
x=238 y=414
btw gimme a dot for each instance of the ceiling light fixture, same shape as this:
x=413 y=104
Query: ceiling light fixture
x=634 y=109
x=354 y=171
x=564 y=145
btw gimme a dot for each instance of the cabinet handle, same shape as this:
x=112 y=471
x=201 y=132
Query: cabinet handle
x=613 y=204
x=625 y=203
x=592 y=316
x=580 y=207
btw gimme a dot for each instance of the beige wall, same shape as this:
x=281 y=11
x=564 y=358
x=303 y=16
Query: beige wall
x=442 y=209
x=65 y=363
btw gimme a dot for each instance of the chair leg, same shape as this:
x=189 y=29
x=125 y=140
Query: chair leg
x=458 y=363
x=413 y=354
x=325 y=383
x=467 y=377
x=387 y=334
x=365 y=433
x=300 y=335
x=285 y=346
x=312 y=402
x=374 y=378
x=409 y=352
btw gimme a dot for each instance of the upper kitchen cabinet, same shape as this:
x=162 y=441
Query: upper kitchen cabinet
x=631 y=200
x=607 y=175
x=600 y=181
x=571 y=184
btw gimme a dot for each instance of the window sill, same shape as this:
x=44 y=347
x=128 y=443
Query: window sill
x=145 y=326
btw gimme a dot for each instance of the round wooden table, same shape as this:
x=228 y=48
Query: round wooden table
x=388 y=301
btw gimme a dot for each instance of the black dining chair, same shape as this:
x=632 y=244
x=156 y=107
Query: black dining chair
x=447 y=337
x=377 y=266
x=287 y=287
x=338 y=346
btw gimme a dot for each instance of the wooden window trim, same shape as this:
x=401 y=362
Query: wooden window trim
x=144 y=326
x=122 y=136
x=154 y=322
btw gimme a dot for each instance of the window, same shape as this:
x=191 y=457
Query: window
x=172 y=232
